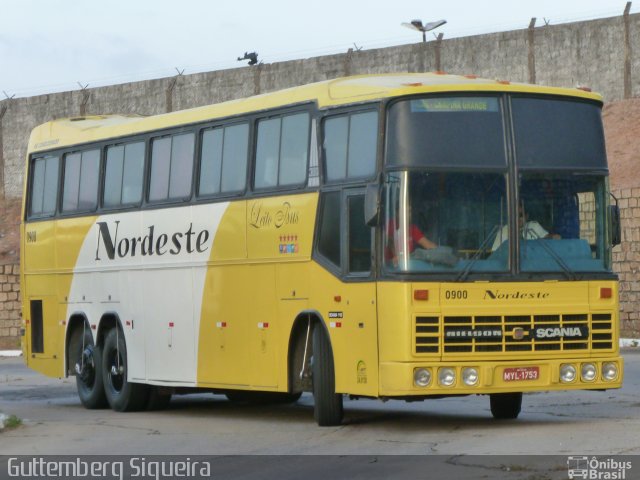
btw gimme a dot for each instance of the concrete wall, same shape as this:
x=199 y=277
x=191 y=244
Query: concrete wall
x=626 y=260
x=598 y=54
x=586 y=53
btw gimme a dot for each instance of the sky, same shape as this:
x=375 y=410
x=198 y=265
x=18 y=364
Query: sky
x=50 y=46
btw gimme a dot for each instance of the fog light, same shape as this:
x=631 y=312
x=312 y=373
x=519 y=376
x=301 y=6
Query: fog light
x=567 y=373
x=470 y=376
x=422 y=377
x=609 y=371
x=588 y=372
x=446 y=376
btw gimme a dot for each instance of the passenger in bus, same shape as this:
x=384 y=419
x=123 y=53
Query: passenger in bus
x=415 y=238
x=566 y=215
x=529 y=230
x=419 y=247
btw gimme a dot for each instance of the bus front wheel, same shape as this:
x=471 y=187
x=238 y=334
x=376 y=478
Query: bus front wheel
x=122 y=395
x=327 y=408
x=505 y=406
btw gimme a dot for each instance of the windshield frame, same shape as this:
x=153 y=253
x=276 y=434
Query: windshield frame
x=513 y=272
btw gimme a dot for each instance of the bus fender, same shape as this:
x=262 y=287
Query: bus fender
x=299 y=346
x=75 y=319
x=108 y=321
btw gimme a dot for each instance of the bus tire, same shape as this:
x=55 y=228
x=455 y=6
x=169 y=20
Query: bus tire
x=88 y=368
x=122 y=395
x=505 y=406
x=327 y=404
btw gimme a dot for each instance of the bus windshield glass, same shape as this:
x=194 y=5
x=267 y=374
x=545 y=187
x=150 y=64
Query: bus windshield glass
x=446 y=192
x=561 y=223
x=444 y=222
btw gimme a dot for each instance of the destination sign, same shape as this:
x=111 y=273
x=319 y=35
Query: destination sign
x=455 y=104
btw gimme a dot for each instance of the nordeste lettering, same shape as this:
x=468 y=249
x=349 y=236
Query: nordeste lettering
x=151 y=244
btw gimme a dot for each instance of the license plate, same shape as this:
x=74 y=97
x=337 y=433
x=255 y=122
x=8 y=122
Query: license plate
x=517 y=374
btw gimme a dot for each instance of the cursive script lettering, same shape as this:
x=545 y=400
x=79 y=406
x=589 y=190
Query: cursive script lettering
x=260 y=217
x=498 y=295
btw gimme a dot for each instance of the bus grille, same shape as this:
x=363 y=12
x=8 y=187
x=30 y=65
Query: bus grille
x=513 y=333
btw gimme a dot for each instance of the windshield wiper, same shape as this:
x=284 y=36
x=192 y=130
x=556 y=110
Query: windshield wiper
x=570 y=274
x=465 y=272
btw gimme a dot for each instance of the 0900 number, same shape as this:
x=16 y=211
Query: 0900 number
x=455 y=294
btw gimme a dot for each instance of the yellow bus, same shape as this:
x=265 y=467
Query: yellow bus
x=348 y=237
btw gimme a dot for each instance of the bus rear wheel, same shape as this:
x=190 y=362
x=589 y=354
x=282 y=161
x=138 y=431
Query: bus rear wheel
x=505 y=406
x=122 y=395
x=327 y=404
x=88 y=368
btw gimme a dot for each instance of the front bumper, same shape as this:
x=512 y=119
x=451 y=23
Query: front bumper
x=397 y=379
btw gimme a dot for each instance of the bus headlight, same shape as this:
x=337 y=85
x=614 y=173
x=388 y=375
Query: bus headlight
x=446 y=376
x=609 y=371
x=470 y=376
x=588 y=372
x=567 y=373
x=422 y=377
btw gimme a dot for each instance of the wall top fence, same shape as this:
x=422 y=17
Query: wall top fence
x=597 y=53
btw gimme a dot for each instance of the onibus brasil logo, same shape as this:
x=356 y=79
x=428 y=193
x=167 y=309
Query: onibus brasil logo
x=597 y=469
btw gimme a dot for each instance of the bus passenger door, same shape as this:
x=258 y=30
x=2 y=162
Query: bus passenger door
x=345 y=245
x=359 y=299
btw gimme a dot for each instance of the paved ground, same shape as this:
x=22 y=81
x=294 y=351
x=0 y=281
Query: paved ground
x=561 y=423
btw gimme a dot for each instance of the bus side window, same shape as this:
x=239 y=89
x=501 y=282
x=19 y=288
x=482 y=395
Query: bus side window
x=223 y=160
x=171 y=167
x=81 y=173
x=359 y=236
x=338 y=215
x=123 y=174
x=350 y=143
x=329 y=228
x=44 y=186
x=282 y=151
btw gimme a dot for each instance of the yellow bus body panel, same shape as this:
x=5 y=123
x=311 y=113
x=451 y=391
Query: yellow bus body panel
x=539 y=302
x=47 y=275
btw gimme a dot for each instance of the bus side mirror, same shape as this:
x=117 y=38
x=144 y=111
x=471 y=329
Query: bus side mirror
x=616 y=233
x=372 y=205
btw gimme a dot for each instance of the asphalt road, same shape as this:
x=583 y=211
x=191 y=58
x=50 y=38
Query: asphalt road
x=445 y=433
x=561 y=423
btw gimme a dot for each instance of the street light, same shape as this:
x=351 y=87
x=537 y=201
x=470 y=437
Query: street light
x=417 y=25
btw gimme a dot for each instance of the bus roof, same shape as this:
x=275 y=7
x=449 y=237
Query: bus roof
x=341 y=91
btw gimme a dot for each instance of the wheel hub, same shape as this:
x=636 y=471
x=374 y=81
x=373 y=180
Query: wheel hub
x=86 y=368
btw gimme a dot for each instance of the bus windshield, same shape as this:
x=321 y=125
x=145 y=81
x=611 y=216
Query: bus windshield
x=444 y=222
x=459 y=223
x=447 y=208
x=561 y=220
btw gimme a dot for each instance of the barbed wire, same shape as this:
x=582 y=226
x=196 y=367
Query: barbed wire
x=302 y=53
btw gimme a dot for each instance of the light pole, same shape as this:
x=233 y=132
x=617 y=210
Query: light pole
x=417 y=25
